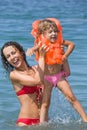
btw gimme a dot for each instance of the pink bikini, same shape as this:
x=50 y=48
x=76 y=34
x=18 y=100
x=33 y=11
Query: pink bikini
x=53 y=79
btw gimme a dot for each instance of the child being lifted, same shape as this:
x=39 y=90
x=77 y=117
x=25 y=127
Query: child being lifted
x=49 y=31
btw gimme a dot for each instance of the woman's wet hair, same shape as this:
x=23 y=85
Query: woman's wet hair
x=5 y=63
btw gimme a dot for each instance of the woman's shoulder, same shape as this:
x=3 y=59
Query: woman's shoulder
x=13 y=75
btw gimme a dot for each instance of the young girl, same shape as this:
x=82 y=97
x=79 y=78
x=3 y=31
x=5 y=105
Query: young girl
x=59 y=51
x=49 y=32
x=26 y=81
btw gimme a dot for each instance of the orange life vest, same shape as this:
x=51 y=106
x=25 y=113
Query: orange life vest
x=55 y=53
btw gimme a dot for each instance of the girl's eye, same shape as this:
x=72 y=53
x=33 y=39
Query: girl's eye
x=50 y=31
x=56 y=31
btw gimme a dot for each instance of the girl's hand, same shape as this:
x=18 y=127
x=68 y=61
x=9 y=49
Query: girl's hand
x=35 y=67
x=29 y=52
x=64 y=58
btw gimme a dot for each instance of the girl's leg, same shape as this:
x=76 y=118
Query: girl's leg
x=64 y=86
x=66 y=68
x=45 y=101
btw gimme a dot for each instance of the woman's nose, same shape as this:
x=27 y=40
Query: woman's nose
x=11 y=57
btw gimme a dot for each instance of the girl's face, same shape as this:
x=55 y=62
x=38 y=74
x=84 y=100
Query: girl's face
x=13 y=56
x=51 y=34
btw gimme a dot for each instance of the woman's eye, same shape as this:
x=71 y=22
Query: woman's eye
x=14 y=52
x=7 y=56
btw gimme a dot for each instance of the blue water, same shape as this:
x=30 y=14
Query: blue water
x=16 y=17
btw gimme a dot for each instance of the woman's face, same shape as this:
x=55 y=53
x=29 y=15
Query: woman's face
x=13 y=56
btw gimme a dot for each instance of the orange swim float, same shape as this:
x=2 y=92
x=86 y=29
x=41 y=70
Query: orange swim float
x=55 y=53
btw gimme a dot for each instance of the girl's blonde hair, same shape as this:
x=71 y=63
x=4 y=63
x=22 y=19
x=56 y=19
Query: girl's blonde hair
x=45 y=25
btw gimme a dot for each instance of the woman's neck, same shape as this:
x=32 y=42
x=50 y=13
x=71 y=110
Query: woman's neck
x=23 y=67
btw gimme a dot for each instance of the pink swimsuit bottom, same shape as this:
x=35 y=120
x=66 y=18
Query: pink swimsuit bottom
x=53 y=79
x=28 y=121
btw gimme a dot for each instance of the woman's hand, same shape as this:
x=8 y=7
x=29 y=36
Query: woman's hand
x=42 y=50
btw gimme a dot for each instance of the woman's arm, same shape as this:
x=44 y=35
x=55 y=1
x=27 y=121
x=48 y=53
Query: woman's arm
x=25 y=79
x=41 y=62
x=38 y=75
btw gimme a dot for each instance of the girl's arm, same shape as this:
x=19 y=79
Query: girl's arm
x=31 y=51
x=70 y=47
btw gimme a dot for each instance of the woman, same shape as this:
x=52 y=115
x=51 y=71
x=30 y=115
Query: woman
x=26 y=81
